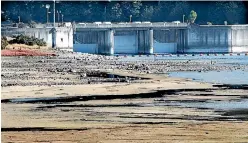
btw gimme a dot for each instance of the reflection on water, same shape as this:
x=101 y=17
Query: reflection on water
x=223 y=77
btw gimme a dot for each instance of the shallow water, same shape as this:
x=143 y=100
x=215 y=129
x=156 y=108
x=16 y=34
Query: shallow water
x=216 y=105
x=221 y=77
x=242 y=59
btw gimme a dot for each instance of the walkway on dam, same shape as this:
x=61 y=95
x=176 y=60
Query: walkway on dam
x=130 y=26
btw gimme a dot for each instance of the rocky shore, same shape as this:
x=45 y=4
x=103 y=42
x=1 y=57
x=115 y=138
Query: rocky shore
x=69 y=68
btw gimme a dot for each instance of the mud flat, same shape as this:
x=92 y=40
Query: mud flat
x=89 y=98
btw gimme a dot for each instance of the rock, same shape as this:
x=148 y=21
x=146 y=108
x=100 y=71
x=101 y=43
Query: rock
x=41 y=61
x=83 y=75
x=147 y=67
x=136 y=67
x=148 y=72
x=89 y=82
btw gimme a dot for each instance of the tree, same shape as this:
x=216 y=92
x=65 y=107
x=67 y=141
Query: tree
x=90 y=11
x=147 y=12
x=116 y=12
x=136 y=7
x=192 y=16
x=177 y=10
x=232 y=12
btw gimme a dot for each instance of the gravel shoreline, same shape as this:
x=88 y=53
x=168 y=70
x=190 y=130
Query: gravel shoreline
x=68 y=68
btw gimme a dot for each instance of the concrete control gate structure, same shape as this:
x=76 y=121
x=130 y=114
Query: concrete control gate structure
x=129 y=38
x=151 y=38
x=142 y=38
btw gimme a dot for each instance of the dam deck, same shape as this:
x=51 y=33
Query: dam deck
x=130 y=26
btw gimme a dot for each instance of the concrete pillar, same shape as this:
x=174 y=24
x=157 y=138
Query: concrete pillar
x=181 y=39
x=150 y=48
x=106 y=42
x=145 y=41
x=141 y=44
x=110 y=42
x=183 y=45
x=54 y=37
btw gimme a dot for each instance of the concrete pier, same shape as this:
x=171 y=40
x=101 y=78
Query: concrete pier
x=181 y=40
x=145 y=41
x=141 y=41
x=110 y=41
x=216 y=39
x=105 y=42
x=150 y=41
x=53 y=37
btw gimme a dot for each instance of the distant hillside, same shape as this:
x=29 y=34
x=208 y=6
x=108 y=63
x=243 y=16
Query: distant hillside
x=80 y=11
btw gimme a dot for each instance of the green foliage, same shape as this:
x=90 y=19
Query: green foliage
x=22 y=39
x=119 y=11
x=232 y=12
x=192 y=16
x=4 y=42
x=116 y=12
x=136 y=7
x=178 y=9
x=147 y=12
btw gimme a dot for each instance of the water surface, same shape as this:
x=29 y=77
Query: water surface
x=216 y=77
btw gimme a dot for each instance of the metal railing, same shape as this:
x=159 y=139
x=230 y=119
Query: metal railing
x=130 y=25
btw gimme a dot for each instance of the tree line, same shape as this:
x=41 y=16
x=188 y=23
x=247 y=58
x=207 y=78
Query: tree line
x=122 y=11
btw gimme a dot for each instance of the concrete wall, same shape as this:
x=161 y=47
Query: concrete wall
x=239 y=37
x=86 y=42
x=85 y=48
x=101 y=41
x=125 y=44
x=207 y=39
x=116 y=41
x=143 y=40
x=165 y=41
x=41 y=33
x=194 y=39
x=64 y=36
x=217 y=39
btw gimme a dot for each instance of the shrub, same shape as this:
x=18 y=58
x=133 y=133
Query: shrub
x=22 y=39
x=4 y=42
x=192 y=16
